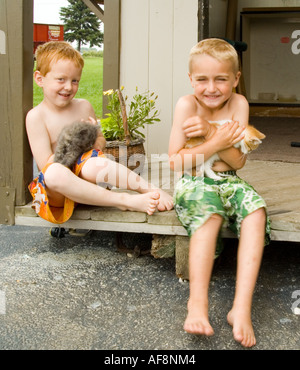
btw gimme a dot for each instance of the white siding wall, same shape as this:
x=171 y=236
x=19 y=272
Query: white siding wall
x=156 y=37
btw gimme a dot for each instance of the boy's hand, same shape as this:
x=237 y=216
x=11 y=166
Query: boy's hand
x=228 y=134
x=100 y=142
x=90 y=120
x=196 y=126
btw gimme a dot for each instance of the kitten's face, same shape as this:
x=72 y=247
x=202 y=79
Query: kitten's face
x=252 y=138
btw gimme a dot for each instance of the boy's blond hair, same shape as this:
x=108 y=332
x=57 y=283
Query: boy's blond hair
x=53 y=51
x=216 y=48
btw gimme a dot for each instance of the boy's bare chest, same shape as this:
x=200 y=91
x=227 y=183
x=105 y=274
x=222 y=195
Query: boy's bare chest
x=218 y=115
x=224 y=111
x=55 y=123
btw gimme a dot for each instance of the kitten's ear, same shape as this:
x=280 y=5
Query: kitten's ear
x=253 y=132
x=260 y=135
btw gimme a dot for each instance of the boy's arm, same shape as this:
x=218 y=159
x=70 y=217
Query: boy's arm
x=233 y=156
x=185 y=116
x=100 y=141
x=38 y=139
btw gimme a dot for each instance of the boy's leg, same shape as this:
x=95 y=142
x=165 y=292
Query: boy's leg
x=250 y=253
x=201 y=258
x=60 y=181
x=104 y=170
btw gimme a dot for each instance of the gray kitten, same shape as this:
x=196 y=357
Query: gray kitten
x=74 y=140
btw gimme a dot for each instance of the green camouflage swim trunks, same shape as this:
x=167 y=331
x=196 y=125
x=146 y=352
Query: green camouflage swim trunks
x=197 y=198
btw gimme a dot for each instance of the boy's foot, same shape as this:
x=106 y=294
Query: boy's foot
x=197 y=322
x=165 y=201
x=146 y=202
x=242 y=328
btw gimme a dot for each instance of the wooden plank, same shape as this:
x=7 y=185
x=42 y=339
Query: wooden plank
x=184 y=38
x=164 y=218
x=272 y=9
x=26 y=211
x=182 y=257
x=116 y=215
x=95 y=8
x=135 y=46
x=111 y=60
x=232 y=13
x=284 y=226
x=286 y=222
x=103 y=225
x=7 y=198
x=16 y=66
x=277 y=183
x=290 y=205
x=134 y=57
x=203 y=19
x=287 y=236
x=160 y=70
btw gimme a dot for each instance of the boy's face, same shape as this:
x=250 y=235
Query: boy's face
x=212 y=81
x=61 y=83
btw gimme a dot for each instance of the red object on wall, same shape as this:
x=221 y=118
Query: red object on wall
x=46 y=32
x=285 y=40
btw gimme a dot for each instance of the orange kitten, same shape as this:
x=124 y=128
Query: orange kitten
x=250 y=142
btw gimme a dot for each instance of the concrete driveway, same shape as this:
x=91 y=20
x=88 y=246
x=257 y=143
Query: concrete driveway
x=81 y=293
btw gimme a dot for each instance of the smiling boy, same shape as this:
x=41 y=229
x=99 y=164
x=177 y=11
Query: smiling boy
x=57 y=188
x=202 y=204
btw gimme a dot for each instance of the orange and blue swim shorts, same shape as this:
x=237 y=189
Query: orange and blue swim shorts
x=40 y=203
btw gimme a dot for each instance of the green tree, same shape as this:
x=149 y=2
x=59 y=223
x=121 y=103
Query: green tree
x=80 y=24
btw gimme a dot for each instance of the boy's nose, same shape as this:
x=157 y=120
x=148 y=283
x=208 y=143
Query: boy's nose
x=68 y=85
x=211 y=87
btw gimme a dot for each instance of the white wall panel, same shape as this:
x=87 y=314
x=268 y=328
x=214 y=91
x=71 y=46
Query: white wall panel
x=156 y=37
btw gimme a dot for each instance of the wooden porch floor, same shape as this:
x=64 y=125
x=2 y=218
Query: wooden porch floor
x=277 y=182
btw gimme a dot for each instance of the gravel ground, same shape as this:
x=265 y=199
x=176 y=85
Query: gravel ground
x=81 y=293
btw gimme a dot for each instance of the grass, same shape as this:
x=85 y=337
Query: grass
x=90 y=87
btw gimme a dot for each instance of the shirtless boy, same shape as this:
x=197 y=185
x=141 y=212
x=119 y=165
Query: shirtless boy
x=57 y=189
x=214 y=73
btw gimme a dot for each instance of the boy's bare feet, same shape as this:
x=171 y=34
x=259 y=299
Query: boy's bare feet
x=146 y=202
x=197 y=320
x=242 y=327
x=165 y=201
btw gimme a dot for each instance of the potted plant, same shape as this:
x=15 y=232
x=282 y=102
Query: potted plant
x=122 y=126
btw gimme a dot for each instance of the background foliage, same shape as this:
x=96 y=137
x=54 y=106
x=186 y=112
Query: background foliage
x=80 y=24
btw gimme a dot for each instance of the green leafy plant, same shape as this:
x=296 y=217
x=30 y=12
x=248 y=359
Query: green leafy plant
x=140 y=112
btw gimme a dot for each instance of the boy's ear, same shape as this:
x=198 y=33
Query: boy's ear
x=38 y=78
x=190 y=77
x=237 y=78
